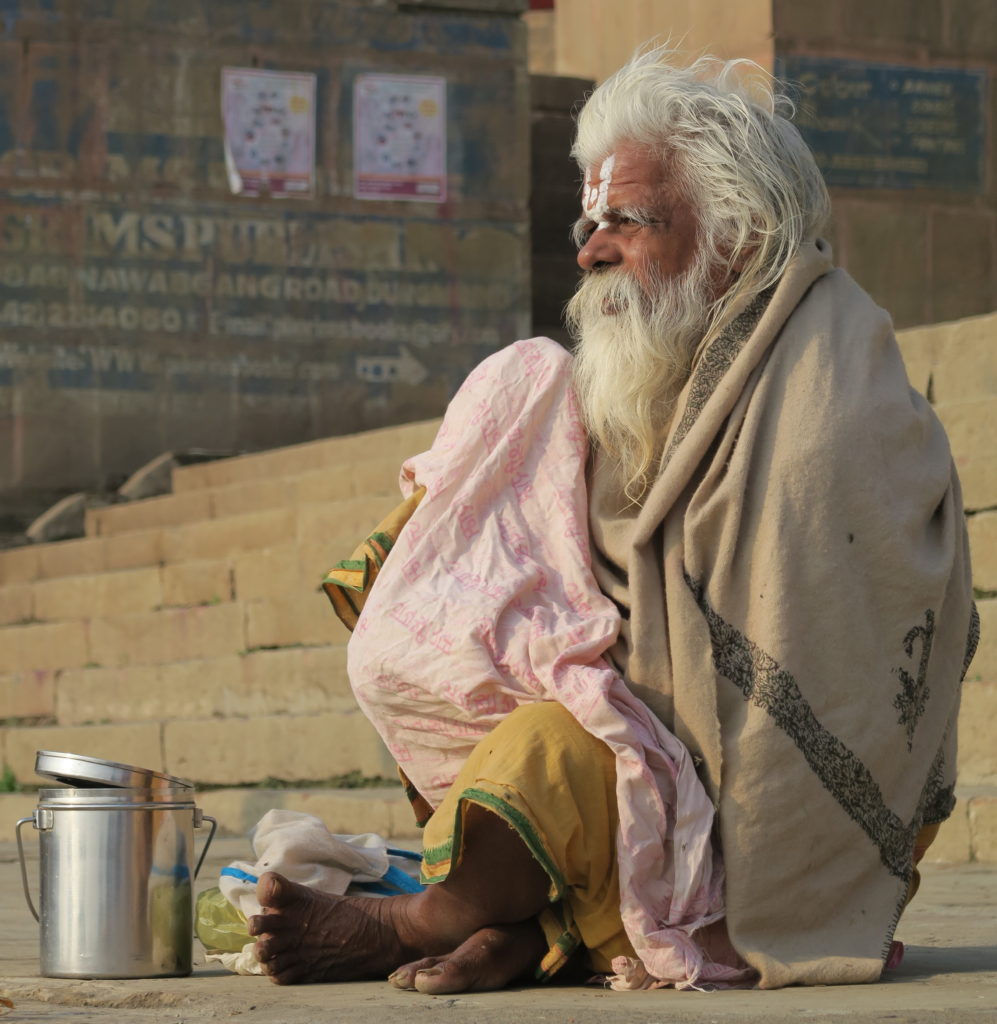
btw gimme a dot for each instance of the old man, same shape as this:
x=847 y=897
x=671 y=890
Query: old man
x=668 y=637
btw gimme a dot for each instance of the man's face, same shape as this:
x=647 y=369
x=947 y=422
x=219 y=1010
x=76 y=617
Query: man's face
x=634 y=219
x=641 y=308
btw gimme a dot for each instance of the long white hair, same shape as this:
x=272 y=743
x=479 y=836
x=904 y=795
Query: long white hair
x=733 y=154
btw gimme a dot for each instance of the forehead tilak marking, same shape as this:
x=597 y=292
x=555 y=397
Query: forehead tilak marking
x=596 y=198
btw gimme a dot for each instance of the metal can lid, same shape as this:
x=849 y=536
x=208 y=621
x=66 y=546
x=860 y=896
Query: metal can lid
x=79 y=770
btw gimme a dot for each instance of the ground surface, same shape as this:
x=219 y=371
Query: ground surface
x=949 y=976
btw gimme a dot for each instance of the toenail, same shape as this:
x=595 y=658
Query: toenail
x=430 y=972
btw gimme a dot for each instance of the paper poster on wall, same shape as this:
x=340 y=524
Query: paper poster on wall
x=400 y=138
x=269 y=132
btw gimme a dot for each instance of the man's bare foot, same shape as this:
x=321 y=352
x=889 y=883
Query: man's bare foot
x=306 y=935
x=490 y=959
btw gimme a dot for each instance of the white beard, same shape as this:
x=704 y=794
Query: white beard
x=633 y=354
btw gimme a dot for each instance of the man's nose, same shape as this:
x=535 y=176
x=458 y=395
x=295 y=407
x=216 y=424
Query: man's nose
x=600 y=248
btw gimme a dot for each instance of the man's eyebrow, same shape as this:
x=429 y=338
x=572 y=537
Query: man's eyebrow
x=642 y=215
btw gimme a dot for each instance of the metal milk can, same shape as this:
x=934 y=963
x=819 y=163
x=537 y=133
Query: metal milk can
x=116 y=849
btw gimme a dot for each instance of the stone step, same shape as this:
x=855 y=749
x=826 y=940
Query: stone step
x=166 y=635
x=954 y=362
x=337 y=524
x=983 y=549
x=80 y=557
x=396 y=443
x=215 y=751
x=381 y=809
x=971 y=427
x=970 y=834
x=16 y=603
x=291 y=681
x=285 y=569
x=977 y=757
x=28 y=694
x=278 y=649
x=148 y=513
x=302 y=680
x=357 y=480
x=978 y=476
x=39 y=647
x=97 y=595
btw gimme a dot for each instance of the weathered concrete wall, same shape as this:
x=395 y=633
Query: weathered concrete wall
x=143 y=307
x=553 y=197
x=923 y=240
x=926 y=249
x=592 y=38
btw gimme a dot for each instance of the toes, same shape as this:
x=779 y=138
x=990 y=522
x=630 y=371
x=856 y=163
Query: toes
x=263 y=952
x=258 y=923
x=447 y=976
x=404 y=977
x=269 y=924
x=283 y=969
x=489 y=959
x=270 y=945
x=275 y=891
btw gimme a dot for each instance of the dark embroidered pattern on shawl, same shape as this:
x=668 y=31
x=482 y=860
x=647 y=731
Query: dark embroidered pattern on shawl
x=935 y=806
x=714 y=363
x=972 y=641
x=913 y=696
x=884 y=953
x=762 y=681
x=938 y=800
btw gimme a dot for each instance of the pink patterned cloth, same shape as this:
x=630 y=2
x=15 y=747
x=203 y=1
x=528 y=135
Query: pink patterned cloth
x=488 y=602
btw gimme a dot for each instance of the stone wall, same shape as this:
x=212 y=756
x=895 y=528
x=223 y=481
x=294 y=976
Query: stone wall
x=145 y=307
x=955 y=365
x=553 y=197
x=923 y=241
x=924 y=249
x=592 y=38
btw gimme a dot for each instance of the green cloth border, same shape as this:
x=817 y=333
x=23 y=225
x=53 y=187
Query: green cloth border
x=350 y=565
x=518 y=821
x=386 y=541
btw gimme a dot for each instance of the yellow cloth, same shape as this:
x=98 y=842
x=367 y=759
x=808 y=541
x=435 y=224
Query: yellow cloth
x=348 y=582
x=554 y=784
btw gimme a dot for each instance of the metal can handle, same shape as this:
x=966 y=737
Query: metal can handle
x=198 y=819
x=24 y=869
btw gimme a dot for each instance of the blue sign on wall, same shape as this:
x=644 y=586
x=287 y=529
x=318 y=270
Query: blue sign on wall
x=890 y=126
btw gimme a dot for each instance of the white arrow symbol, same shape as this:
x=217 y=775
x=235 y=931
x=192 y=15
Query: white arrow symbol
x=386 y=369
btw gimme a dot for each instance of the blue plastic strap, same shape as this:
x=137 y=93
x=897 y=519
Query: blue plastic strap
x=243 y=876
x=407 y=854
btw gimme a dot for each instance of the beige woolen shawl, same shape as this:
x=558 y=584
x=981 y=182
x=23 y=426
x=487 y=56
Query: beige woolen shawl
x=798 y=610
